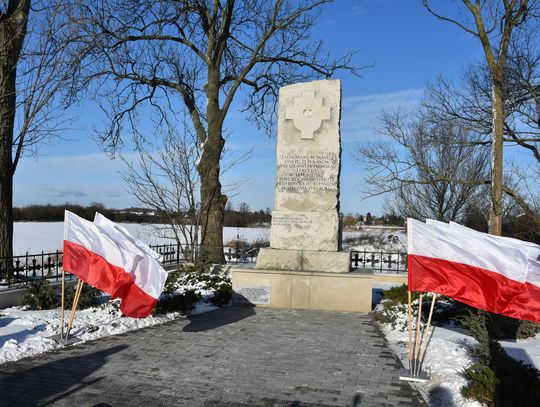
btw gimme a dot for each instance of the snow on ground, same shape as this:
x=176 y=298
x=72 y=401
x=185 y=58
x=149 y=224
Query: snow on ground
x=445 y=358
x=526 y=350
x=27 y=333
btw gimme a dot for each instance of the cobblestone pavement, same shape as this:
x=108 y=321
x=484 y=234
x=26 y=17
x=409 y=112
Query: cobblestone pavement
x=230 y=357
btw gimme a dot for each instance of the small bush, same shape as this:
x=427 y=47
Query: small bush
x=527 y=329
x=498 y=379
x=517 y=382
x=90 y=296
x=399 y=294
x=482 y=384
x=176 y=302
x=40 y=295
x=190 y=283
x=507 y=328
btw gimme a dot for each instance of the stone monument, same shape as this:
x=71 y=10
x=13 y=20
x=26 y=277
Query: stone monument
x=304 y=257
x=305 y=233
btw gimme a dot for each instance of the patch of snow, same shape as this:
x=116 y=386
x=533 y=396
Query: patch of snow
x=27 y=333
x=446 y=356
x=526 y=350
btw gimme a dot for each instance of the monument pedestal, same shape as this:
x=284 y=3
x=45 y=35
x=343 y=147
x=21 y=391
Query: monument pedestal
x=304 y=268
x=303 y=260
x=350 y=292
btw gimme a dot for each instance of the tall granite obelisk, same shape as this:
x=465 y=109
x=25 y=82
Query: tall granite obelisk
x=305 y=231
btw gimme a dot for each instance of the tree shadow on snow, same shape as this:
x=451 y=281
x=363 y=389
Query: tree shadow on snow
x=20 y=336
x=440 y=397
x=50 y=382
x=5 y=321
x=218 y=318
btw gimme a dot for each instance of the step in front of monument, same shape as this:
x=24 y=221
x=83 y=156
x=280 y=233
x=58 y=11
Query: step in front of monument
x=349 y=292
x=303 y=260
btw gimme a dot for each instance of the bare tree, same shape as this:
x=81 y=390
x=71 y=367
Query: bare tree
x=33 y=47
x=469 y=107
x=427 y=167
x=495 y=24
x=165 y=180
x=193 y=57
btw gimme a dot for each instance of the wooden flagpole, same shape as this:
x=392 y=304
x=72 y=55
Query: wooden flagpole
x=62 y=304
x=426 y=332
x=417 y=337
x=410 y=333
x=74 y=306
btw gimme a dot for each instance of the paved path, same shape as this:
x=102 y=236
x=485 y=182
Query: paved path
x=239 y=357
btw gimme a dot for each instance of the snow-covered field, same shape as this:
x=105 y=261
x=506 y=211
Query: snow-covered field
x=33 y=237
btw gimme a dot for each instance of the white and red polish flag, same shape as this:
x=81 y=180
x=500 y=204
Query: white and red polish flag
x=107 y=259
x=487 y=272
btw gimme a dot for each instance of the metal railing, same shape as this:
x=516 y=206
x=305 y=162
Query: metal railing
x=175 y=253
x=19 y=270
x=379 y=261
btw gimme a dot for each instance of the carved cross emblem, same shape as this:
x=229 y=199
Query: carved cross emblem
x=307 y=114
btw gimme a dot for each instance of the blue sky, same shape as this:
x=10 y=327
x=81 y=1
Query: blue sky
x=408 y=46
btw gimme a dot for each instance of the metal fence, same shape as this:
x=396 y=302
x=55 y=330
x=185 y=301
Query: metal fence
x=379 y=261
x=175 y=253
x=19 y=270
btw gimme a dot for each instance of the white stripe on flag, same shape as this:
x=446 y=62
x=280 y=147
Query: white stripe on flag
x=147 y=272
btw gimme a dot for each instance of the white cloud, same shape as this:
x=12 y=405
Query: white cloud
x=80 y=179
x=360 y=114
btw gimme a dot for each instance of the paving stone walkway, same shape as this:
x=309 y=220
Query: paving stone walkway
x=239 y=357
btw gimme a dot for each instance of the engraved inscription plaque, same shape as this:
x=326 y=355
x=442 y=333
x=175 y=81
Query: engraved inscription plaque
x=285 y=219
x=307 y=172
x=253 y=295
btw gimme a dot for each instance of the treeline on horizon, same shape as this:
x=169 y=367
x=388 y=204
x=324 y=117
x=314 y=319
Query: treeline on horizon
x=55 y=213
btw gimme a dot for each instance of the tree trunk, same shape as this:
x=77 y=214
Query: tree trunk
x=6 y=209
x=12 y=33
x=496 y=210
x=212 y=200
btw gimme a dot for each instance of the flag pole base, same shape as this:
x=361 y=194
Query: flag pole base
x=405 y=375
x=62 y=341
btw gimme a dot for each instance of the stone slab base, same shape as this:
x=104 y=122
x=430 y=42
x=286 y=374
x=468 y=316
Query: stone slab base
x=398 y=279
x=303 y=260
x=304 y=230
x=349 y=292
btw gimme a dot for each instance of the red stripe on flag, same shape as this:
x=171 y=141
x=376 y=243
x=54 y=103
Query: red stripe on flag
x=475 y=286
x=96 y=271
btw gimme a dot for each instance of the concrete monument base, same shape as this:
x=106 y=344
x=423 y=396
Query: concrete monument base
x=303 y=260
x=349 y=292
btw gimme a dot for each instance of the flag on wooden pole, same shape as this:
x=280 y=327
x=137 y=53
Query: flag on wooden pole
x=495 y=274
x=112 y=261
